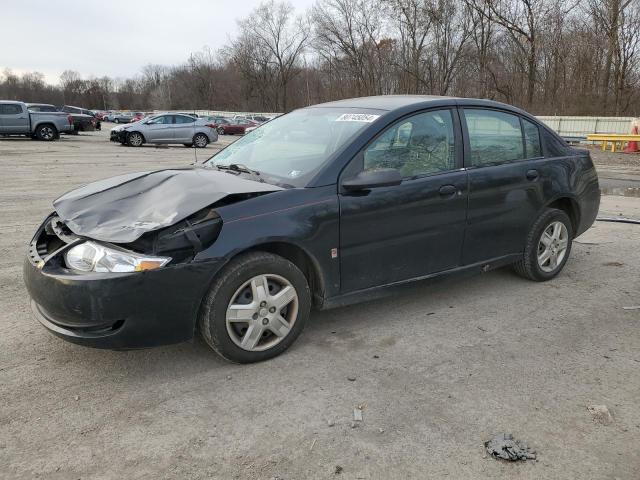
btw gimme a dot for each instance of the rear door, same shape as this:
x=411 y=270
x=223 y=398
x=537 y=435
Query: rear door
x=183 y=128
x=505 y=182
x=390 y=234
x=14 y=118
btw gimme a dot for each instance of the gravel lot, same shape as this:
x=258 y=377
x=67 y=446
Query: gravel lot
x=437 y=369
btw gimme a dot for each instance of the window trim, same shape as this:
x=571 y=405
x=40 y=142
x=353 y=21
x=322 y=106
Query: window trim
x=467 y=144
x=356 y=164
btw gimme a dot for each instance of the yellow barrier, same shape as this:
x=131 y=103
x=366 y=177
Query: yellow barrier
x=613 y=138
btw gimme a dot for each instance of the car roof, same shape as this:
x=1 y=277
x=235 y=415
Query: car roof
x=394 y=102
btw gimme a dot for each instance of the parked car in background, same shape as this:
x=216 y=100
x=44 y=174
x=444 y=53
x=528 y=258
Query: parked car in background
x=166 y=128
x=232 y=127
x=328 y=205
x=83 y=119
x=122 y=117
x=17 y=118
x=252 y=118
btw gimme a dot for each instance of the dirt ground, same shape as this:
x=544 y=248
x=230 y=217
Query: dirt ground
x=437 y=369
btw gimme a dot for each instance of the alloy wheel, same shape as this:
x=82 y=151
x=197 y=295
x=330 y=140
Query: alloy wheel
x=200 y=141
x=47 y=133
x=262 y=312
x=135 y=139
x=552 y=246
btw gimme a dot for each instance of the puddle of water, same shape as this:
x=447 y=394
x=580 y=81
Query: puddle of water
x=621 y=191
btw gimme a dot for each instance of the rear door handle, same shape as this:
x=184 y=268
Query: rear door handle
x=532 y=174
x=447 y=190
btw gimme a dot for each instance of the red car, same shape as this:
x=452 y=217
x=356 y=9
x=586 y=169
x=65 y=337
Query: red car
x=225 y=126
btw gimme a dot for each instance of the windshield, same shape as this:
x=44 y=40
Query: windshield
x=292 y=148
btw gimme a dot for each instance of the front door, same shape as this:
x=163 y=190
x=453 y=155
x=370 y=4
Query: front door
x=506 y=176
x=158 y=129
x=391 y=234
x=14 y=119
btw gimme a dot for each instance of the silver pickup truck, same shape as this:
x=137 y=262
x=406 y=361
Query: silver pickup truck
x=16 y=119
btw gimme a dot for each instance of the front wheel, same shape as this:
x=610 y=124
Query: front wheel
x=548 y=246
x=256 y=308
x=134 y=139
x=46 y=133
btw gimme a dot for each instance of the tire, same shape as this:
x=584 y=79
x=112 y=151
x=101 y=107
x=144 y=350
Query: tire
x=46 y=133
x=232 y=286
x=220 y=131
x=200 y=140
x=533 y=265
x=116 y=121
x=188 y=145
x=135 y=139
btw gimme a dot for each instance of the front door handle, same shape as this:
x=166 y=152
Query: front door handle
x=532 y=174
x=447 y=190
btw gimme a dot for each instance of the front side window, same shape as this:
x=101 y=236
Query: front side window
x=10 y=109
x=422 y=144
x=162 y=120
x=494 y=137
x=531 y=139
x=294 y=147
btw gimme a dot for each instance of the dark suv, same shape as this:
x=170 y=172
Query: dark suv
x=324 y=206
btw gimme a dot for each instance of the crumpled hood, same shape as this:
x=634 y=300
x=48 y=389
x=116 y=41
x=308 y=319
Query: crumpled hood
x=120 y=209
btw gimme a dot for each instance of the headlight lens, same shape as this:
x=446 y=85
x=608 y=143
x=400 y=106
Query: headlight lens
x=93 y=257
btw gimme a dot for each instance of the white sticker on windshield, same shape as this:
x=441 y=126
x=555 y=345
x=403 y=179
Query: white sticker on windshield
x=357 y=117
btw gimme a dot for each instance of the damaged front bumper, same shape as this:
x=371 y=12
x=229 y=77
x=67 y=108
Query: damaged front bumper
x=118 y=136
x=113 y=310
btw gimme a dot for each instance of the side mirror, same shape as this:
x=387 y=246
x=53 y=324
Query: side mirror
x=367 y=179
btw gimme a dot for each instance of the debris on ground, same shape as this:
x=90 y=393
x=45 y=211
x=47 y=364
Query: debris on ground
x=600 y=414
x=351 y=378
x=338 y=470
x=634 y=307
x=503 y=446
x=376 y=356
x=357 y=415
x=331 y=422
x=613 y=264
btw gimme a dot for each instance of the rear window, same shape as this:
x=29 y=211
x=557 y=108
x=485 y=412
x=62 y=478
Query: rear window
x=533 y=148
x=494 y=137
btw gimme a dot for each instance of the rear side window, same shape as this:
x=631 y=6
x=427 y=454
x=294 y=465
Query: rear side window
x=183 y=119
x=494 y=137
x=423 y=144
x=10 y=109
x=532 y=146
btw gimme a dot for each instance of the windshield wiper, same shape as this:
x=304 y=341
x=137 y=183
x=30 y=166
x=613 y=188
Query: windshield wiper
x=238 y=167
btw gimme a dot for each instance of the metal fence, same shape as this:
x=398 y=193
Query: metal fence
x=583 y=126
x=566 y=126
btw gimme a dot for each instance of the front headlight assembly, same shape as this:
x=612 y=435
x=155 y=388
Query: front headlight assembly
x=93 y=257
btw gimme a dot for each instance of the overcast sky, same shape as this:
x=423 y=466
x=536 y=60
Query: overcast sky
x=114 y=37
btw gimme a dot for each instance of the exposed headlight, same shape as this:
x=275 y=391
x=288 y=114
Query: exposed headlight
x=93 y=257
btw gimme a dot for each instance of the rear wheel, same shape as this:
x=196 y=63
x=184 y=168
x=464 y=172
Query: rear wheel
x=220 y=131
x=116 y=121
x=256 y=308
x=135 y=139
x=200 y=140
x=46 y=133
x=548 y=246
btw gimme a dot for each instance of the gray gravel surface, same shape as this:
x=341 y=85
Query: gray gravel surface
x=438 y=369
